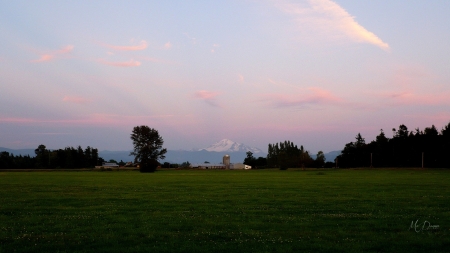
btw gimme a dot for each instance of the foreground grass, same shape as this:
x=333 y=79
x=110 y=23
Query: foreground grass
x=225 y=211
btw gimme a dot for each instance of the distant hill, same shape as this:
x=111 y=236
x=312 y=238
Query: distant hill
x=17 y=152
x=330 y=156
x=116 y=155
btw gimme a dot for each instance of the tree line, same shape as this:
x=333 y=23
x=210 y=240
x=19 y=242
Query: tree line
x=68 y=157
x=286 y=154
x=428 y=148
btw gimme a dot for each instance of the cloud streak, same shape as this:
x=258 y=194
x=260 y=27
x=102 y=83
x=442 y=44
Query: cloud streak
x=410 y=98
x=192 y=39
x=240 y=78
x=168 y=45
x=76 y=100
x=328 y=18
x=142 y=45
x=156 y=60
x=130 y=63
x=316 y=96
x=214 y=46
x=92 y=119
x=208 y=96
x=54 y=54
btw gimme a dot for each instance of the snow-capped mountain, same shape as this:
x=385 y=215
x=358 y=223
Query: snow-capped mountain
x=226 y=145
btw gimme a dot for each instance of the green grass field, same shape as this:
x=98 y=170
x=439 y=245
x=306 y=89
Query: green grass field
x=226 y=211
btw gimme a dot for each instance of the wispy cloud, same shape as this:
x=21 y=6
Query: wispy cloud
x=156 y=60
x=192 y=39
x=214 y=46
x=412 y=98
x=48 y=56
x=208 y=96
x=439 y=118
x=168 y=45
x=141 y=46
x=130 y=63
x=329 y=19
x=66 y=49
x=44 y=58
x=92 y=119
x=281 y=84
x=241 y=78
x=312 y=96
x=414 y=85
x=55 y=133
x=76 y=100
x=16 y=120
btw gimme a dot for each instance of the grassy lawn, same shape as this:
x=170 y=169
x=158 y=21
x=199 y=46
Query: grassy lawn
x=225 y=211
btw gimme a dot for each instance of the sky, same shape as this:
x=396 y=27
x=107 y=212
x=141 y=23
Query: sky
x=315 y=72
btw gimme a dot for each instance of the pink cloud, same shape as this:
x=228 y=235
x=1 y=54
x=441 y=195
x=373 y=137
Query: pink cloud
x=156 y=60
x=76 y=100
x=142 y=45
x=16 y=120
x=411 y=98
x=53 y=54
x=93 y=119
x=168 y=45
x=65 y=50
x=203 y=94
x=192 y=39
x=439 y=118
x=214 y=46
x=208 y=96
x=130 y=63
x=44 y=57
x=326 y=18
x=410 y=76
x=282 y=84
x=414 y=85
x=241 y=78
x=316 y=96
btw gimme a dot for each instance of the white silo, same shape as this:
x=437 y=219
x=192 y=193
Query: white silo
x=226 y=161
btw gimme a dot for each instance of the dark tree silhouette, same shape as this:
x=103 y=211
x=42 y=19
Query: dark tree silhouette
x=148 y=149
x=320 y=160
x=286 y=154
x=404 y=149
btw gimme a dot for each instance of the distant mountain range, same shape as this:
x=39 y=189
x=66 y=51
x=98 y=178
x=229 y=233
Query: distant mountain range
x=226 y=145
x=213 y=154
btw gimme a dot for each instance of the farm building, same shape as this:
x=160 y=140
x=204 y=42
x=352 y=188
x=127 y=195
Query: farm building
x=220 y=166
x=108 y=165
x=239 y=166
x=225 y=165
x=208 y=166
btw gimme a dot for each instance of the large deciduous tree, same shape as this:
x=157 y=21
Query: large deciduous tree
x=147 y=149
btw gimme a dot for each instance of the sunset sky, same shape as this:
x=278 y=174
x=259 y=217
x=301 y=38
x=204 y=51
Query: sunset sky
x=314 y=72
